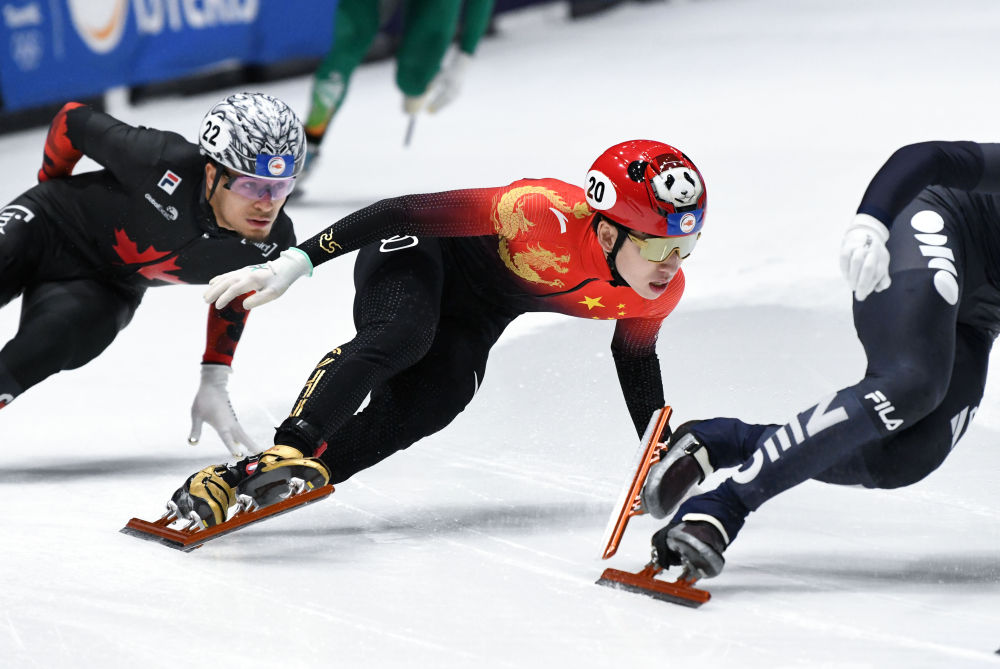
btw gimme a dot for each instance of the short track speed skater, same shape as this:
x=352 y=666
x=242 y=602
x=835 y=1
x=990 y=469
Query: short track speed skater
x=680 y=591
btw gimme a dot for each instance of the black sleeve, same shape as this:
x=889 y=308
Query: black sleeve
x=964 y=165
x=459 y=213
x=124 y=150
x=990 y=182
x=634 y=351
x=641 y=386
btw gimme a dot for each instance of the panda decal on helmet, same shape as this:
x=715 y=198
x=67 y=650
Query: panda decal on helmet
x=674 y=183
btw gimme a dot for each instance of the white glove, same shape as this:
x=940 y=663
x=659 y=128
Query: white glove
x=448 y=83
x=413 y=104
x=211 y=405
x=270 y=280
x=864 y=259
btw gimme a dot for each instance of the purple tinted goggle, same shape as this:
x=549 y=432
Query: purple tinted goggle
x=254 y=188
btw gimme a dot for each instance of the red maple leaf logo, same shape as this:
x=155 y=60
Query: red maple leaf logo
x=129 y=252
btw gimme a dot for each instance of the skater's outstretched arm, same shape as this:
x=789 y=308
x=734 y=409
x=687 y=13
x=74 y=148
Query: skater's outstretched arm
x=864 y=259
x=459 y=213
x=211 y=403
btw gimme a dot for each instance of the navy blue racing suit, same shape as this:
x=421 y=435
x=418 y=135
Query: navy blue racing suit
x=927 y=339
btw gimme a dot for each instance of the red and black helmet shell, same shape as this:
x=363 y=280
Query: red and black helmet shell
x=648 y=186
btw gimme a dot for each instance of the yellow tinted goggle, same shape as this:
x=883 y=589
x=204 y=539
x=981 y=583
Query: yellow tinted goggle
x=658 y=249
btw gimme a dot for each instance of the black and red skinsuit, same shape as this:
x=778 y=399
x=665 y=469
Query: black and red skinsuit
x=83 y=249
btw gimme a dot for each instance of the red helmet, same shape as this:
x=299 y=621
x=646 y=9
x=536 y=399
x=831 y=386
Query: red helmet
x=648 y=186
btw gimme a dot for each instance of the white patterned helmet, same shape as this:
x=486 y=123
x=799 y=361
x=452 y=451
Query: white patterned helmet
x=254 y=134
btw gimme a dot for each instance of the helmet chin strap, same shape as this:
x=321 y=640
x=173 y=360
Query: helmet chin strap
x=215 y=182
x=616 y=278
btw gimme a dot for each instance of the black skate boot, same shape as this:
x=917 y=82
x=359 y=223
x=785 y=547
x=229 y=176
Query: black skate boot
x=684 y=465
x=698 y=544
x=700 y=531
x=207 y=495
x=278 y=473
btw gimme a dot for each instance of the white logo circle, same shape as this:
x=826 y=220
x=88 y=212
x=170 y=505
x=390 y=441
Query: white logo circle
x=601 y=193
x=276 y=165
x=688 y=222
x=99 y=23
x=215 y=135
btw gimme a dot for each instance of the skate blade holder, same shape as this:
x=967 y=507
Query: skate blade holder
x=295 y=486
x=630 y=500
x=644 y=582
x=193 y=535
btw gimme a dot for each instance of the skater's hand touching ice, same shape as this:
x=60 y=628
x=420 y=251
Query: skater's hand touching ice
x=211 y=405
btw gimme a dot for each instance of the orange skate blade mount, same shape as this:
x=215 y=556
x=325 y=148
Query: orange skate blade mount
x=644 y=582
x=681 y=591
x=188 y=539
x=629 y=502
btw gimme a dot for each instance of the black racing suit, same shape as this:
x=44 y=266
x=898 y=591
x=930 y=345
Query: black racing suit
x=927 y=338
x=83 y=249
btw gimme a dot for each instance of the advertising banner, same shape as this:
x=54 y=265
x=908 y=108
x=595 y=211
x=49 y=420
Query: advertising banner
x=55 y=50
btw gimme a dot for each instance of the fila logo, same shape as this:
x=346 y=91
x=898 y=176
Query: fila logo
x=933 y=244
x=787 y=436
x=960 y=423
x=397 y=243
x=884 y=408
x=169 y=182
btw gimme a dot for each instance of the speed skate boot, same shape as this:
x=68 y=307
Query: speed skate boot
x=684 y=465
x=700 y=531
x=207 y=495
x=278 y=473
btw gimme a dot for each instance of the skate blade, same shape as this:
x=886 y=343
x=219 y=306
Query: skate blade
x=645 y=582
x=629 y=501
x=189 y=539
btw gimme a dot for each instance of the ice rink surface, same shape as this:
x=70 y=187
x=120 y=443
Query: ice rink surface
x=479 y=547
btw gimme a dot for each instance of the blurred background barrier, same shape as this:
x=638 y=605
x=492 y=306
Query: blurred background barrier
x=65 y=49
x=52 y=51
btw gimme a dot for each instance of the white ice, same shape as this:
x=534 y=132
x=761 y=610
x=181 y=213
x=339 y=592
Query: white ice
x=479 y=547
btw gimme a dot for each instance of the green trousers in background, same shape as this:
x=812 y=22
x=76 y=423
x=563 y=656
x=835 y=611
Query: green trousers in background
x=429 y=26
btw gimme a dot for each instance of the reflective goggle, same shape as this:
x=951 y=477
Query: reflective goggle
x=658 y=249
x=253 y=188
